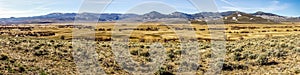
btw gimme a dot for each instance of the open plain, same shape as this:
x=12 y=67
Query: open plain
x=250 y=48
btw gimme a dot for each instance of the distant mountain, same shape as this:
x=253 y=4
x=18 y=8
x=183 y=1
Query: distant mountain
x=270 y=16
x=229 y=16
x=181 y=15
x=241 y=17
x=154 y=15
x=293 y=19
x=263 y=13
x=228 y=13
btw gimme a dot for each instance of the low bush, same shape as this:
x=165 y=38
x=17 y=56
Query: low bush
x=297 y=49
x=262 y=59
x=62 y=37
x=145 y=54
x=41 y=53
x=230 y=67
x=162 y=71
x=134 y=52
x=4 y=57
x=237 y=57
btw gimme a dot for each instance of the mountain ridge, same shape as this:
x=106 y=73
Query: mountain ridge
x=109 y=17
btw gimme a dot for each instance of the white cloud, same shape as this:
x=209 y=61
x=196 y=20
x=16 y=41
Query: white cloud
x=270 y=7
x=23 y=8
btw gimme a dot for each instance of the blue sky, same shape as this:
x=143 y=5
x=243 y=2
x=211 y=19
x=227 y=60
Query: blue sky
x=24 y=8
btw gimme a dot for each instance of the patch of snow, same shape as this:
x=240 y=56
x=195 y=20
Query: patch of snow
x=239 y=15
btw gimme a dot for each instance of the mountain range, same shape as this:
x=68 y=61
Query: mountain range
x=228 y=17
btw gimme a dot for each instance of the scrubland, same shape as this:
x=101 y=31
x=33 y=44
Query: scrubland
x=250 y=49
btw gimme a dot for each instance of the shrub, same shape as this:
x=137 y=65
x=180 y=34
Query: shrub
x=263 y=59
x=237 y=56
x=283 y=45
x=246 y=55
x=59 y=45
x=147 y=47
x=149 y=60
x=263 y=50
x=297 y=49
x=297 y=71
x=280 y=53
x=62 y=37
x=204 y=47
x=227 y=67
x=277 y=53
x=291 y=47
x=238 y=49
x=11 y=70
x=4 y=57
x=208 y=55
x=21 y=69
x=52 y=41
x=145 y=54
x=142 y=46
x=272 y=44
x=43 y=73
x=40 y=53
x=162 y=71
x=230 y=67
x=134 y=52
x=171 y=55
x=37 y=47
x=178 y=52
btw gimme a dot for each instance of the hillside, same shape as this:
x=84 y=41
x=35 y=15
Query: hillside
x=240 y=17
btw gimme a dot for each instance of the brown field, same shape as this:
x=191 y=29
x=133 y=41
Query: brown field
x=250 y=48
x=152 y=31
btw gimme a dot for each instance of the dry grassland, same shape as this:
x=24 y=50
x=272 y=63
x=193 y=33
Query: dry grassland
x=250 y=48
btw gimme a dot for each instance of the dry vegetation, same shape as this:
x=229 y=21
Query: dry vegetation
x=250 y=48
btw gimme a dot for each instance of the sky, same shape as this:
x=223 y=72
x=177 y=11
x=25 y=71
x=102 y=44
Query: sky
x=26 y=8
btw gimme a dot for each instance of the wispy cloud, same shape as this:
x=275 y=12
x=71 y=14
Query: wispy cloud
x=98 y=1
x=269 y=7
x=227 y=2
x=21 y=7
